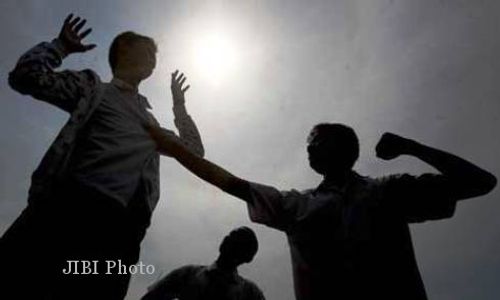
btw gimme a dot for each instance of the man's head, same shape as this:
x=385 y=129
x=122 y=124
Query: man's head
x=132 y=55
x=239 y=246
x=332 y=148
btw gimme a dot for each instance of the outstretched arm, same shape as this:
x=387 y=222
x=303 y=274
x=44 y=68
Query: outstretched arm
x=266 y=204
x=460 y=178
x=34 y=72
x=199 y=166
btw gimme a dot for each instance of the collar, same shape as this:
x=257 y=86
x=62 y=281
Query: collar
x=214 y=269
x=325 y=185
x=122 y=85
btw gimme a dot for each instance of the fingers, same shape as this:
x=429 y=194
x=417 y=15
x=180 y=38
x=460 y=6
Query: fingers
x=174 y=75
x=179 y=80
x=89 y=47
x=79 y=25
x=68 y=18
x=186 y=88
x=85 y=33
x=76 y=25
x=73 y=22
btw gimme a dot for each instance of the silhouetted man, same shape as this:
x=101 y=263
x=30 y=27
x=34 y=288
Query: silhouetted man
x=218 y=281
x=92 y=195
x=349 y=237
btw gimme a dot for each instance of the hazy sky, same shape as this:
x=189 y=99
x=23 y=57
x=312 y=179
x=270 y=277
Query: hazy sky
x=425 y=69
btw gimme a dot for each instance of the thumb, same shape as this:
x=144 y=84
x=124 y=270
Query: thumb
x=89 y=47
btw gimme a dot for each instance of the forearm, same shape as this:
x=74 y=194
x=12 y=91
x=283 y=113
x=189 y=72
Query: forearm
x=464 y=174
x=188 y=132
x=35 y=63
x=208 y=171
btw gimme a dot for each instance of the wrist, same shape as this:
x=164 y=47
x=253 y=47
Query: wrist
x=179 y=108
x=412 y=147
x=60 y=47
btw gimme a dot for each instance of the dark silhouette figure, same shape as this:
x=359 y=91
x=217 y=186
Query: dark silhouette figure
x=92 y=195
x=218 y=281
x=349 y=237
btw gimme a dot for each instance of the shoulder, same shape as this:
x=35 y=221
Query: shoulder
x=405 y=178
x=190 y=269
x=185 y=272
x=390 y=179
x=298 y=194
x=251 y=288
x=268 y=189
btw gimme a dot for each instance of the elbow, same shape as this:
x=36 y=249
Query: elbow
x=489 y=183
x=18 y=80
x=485 y=183
x=15 y=80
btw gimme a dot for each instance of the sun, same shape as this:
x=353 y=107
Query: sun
x=215 y=56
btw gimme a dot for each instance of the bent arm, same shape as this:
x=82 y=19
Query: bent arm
x=466 y=180
x=459 y=179
x=266 y=204
x=34 y=75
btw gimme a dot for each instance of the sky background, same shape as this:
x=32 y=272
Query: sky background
x=424 y=69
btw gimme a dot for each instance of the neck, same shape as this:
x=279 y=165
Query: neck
x=133 y=81
x=338 y=178
x=226 y=264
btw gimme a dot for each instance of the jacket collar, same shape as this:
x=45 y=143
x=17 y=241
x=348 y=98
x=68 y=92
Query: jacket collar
x=122 y=85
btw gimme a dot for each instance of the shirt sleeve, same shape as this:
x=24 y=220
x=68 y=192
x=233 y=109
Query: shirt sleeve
x=274 y=208
x=259 y=295
x=253 y=292
x=418 y=198
x=170 y=286
x=34 y=75
x=188 y=132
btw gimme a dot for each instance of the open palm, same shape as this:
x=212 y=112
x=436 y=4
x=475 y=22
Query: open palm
x=71 y=37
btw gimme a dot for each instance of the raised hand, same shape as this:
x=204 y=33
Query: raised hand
x=391 y=146
x=177 y=87
x=70 y=35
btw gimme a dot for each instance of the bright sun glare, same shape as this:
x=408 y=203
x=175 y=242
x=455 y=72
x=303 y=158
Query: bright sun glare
x=215 y=56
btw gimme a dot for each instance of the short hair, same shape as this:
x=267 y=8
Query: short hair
x=126 y=39
x=345 y=140
x=241 y=242
x=250 y=242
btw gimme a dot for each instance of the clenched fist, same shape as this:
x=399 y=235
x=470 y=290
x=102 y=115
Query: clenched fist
x=391 y=146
